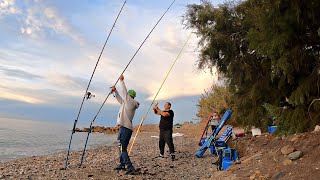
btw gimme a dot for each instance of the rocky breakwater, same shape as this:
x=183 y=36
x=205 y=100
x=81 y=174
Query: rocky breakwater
x=100 y=129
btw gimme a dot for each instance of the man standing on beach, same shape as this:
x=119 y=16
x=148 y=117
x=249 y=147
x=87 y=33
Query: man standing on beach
x=165 y=126
x=124 y=121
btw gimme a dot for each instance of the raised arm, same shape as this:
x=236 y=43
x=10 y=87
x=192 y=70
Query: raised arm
x=118 y=97
x=158 y=111
x=123 y=86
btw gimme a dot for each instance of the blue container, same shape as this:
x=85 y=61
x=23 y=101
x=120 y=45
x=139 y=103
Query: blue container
x=272 y=129
x=212 y=150
x=228 y=156
x=226 y=159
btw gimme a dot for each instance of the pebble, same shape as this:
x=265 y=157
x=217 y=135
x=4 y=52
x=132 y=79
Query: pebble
x=287 y=162
x=186 y=167
x=278 y=175
x=295 y=155
x=287 y=150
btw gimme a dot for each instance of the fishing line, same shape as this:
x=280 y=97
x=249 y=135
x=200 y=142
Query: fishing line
x=87 y=94
x=92 y=122
x=145 y=116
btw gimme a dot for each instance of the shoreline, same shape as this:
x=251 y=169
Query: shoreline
x=100 y=161
x=92 y=146
x=260 y=158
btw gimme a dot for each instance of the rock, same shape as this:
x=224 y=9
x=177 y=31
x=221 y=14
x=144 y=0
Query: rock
x=317 y=128
x=99 y=129
x=278 y=175
x=287 y=162
x=90 y=175
x=263 y=178
x=267 y=176
x=256 y=132
x=252 y=177
x=295 y=138
x=295 y=155
x=287 y=150
x=279 y=138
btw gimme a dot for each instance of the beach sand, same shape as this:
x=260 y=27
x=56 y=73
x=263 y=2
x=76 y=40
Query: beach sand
x=261 y=158
x=100 y=162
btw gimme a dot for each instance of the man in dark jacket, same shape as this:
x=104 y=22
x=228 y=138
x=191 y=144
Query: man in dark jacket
x=165 y=126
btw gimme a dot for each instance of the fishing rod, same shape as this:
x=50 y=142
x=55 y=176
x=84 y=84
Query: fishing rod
x=92 y=122
x=87 y=94
x=145 y=116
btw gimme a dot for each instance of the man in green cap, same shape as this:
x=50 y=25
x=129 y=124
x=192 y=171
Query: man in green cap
x=124 y=121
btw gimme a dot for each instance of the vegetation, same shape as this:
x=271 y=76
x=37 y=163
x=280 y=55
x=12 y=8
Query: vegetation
x=216 y=99
x=268 y=50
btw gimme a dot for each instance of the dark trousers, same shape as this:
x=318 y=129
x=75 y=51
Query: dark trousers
x=166 y=137
x=124 y=136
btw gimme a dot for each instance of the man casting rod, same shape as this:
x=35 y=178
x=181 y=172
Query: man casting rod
x=92 y=122
x=86 y=93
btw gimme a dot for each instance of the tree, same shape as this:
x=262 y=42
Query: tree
x=269 y=52
x=216 y=99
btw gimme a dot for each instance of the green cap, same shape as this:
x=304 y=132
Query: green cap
x=132 y=93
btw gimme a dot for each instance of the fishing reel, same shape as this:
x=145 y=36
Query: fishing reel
x=89 y=95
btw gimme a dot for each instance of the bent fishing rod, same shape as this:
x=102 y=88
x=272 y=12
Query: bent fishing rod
x=92 y=122
x=145 y=116
x=88 y=94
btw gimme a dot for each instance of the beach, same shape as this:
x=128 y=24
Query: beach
x=260 y=158
x=100 y=162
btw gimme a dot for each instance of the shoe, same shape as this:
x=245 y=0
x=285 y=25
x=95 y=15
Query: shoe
x=173 y=157
x=130 y=172
x=120 y=167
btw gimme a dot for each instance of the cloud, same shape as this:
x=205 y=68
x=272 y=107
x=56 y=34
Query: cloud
x=58 y=24
x=147 y=71
x=19 y=95
x=57 y=72
x=8 y=7
x=37 y=20
x=17 y=73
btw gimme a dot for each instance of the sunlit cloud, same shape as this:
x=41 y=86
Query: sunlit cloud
x=38 y=20
x=20 y=97
x=50 y=59
x=8 y=7
x=148 y=69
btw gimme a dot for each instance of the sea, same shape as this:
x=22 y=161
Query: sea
x=24 y=138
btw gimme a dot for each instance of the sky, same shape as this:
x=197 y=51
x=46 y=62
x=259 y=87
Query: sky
x=49 y=48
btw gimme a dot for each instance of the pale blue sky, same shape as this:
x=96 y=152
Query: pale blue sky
x=48 y=50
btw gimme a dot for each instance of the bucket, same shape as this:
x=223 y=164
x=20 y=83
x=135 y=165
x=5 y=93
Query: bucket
x=272 y=129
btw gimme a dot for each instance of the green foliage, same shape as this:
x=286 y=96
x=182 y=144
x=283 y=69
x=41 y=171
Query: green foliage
x=269 y=53
x=216 y=99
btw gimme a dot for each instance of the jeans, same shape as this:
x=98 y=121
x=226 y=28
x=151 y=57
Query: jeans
x=166 y=137
x=124 y=136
